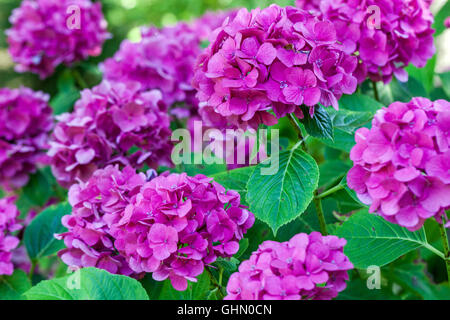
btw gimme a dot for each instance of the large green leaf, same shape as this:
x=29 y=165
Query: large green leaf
x=279 y=198
x=39 y=235
x=371 y=240
x=88 y=284
x=319 y=126
x=12 y=287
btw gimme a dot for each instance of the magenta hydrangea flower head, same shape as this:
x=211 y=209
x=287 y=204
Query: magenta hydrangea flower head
x=178 y=224
x=46 y=33
x=111 y=123
x=25 y=124
x=402 y=164
x=311 y=267
x=271 y=59
x=96 y=205
x=8 y=242
x=385 y=35
x=164 y=59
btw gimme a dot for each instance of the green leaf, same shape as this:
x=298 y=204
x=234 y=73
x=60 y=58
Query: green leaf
x=345 y=123
x=196 y=290
x=320 y=126
x=439 y=19
x=88 y=284
x=235 y=180
x=38 y=190
x=39 y=235
x=12 y=287
x=357 y=290
x=426 y=74
x=413 y=278
x=359 y=103
x=445 y=78
x=279 y=198
x=371 y=240
x=331 y=171
x=405 y=91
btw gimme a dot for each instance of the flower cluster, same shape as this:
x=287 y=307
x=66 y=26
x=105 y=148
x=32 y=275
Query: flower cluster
x=306 y=267
x=46 y=33
x=179 y=224
x=447 y=22
x=8 y=242
x=164 y=59
x=275 y=58
x=386 y=35
x=172 y=225
x=25 y=123
x=112 y=123
x=96 y=206
x=402 y=165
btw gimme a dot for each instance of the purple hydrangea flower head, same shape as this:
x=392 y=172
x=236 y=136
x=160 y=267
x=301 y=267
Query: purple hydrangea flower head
x=46 y=33
x=310 y=267
x=178 y=224
x=271 y=59
x=402 y=164
x=164 y=59
x=8 y=242
x=25 y=123
x=96 y=205
x=111 y=123
x=385 y=35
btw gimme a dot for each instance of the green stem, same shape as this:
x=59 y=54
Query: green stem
x=375 y=91
x=320 y=215
x=32 y=268
x=330 y=191
x=79 y=79
x=219 y=287
x=446 y=247
x=297 y=129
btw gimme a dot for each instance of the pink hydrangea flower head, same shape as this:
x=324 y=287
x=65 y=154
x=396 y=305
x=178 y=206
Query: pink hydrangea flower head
x=25 y=123
x=402 y=164
x=311 y=267
x=447 y=22
x=47 y=33
x=96 y=205
x=178 y=224
x=385 y=35
x=163 y=59
x=8 y=242
x=271 y=59
x=111 y=123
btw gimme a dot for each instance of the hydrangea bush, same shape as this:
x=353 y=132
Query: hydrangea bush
x=276 y=152
x=42 y=36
